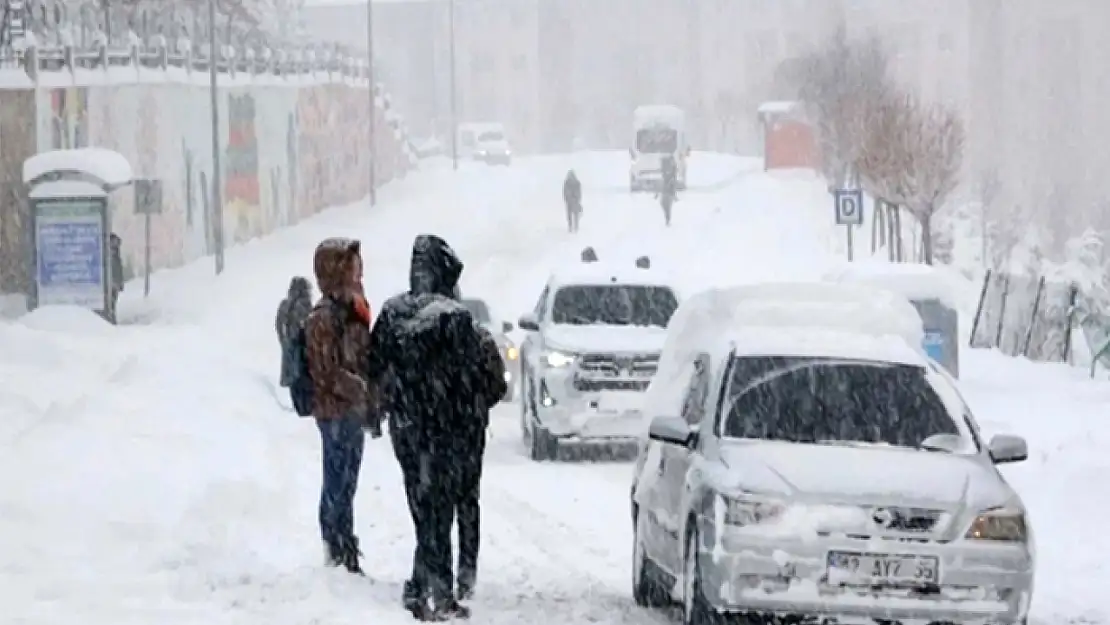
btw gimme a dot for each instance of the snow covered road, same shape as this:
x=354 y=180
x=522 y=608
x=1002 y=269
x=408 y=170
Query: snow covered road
x=147 y=474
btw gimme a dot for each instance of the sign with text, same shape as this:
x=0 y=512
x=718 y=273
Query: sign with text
x=70 y=252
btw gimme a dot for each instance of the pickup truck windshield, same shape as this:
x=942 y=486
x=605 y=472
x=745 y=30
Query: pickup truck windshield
x=614 y=304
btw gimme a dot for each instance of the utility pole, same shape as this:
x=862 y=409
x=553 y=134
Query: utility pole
x=373 y=100
x=217 y=172
x=454 y=98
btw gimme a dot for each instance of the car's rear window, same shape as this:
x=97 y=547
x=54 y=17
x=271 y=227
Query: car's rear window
x=614 y=304
x=820 y=400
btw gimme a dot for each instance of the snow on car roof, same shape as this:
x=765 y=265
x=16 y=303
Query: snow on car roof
x=824 y=343
x=857 y=308
x=108 y=166
x=708 y=320
x=910 y=280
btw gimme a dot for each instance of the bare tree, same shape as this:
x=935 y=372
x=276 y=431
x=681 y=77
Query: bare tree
x=911 y=157
x=987 y=188
x=934 y=158
x=840 y=83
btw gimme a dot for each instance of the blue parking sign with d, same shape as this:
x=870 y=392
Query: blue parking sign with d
x=849 y=207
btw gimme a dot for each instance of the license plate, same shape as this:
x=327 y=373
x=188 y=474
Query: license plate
x=618 y=403
x=879 y=568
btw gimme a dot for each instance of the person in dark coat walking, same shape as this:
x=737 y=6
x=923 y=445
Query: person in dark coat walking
x=468 y=502
x=291 y=315
x=337 y=335
x=426 y=353
x=572 y=197
x=115 y=251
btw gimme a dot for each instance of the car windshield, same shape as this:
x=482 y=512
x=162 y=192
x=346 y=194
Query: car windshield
x=815 y=400
x=490 y=136
x=616 y=304
x=478 y=309
x=657 y=140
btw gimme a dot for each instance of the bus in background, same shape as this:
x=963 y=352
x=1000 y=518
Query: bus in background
x=657 y=131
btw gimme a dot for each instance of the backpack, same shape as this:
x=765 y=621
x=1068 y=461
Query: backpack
x=302 y=391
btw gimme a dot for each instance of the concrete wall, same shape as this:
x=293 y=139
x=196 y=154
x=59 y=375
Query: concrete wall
x=289 y=148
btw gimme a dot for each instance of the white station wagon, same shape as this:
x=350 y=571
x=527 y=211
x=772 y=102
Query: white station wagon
x=800 y=471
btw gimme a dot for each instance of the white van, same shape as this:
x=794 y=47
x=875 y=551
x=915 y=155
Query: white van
x=657 y=131
x=485 y=142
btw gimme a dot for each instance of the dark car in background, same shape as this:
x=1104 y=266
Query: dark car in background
x=509 y=352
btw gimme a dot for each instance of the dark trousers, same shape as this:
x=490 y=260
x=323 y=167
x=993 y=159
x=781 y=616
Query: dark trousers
x=342 y=454
x=574 y=215
x=469 y=511
x=438 y=485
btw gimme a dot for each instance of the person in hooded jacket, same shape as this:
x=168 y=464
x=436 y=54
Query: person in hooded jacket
x=426 y=354
x=291 y=315
x=337 y=334
x=572 y=197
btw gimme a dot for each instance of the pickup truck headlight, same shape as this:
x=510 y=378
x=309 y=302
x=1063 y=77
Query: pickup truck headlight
x=1000 y=524
x=511 y=353
x=557 y=359
x=743 y=512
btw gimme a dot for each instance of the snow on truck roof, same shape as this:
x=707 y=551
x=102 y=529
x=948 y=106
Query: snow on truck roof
x=607 y=272
x=108 y=166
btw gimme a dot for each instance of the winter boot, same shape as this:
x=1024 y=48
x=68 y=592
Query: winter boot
x=350 y=555
x=466 y=584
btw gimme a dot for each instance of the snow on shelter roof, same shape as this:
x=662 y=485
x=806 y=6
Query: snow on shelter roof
x=110 y=168
x=913 y=281
x=777 y=107
x=66 y=189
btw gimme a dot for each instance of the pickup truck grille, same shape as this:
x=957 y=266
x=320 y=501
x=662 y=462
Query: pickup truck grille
x=612 y=365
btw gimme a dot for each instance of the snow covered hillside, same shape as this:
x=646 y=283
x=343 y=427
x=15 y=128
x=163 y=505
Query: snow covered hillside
x=148 y=473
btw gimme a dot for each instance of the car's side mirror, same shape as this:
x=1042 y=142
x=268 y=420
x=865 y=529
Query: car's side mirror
x=529 y=322
x=671 y=430
x=506 y=327
x=1006 y=448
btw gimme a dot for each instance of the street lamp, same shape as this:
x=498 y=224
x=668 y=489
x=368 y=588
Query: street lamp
x=454 y=99
x=217 y=173
x=373 y=99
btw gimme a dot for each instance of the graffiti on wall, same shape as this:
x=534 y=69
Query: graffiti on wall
x=69 y=126
x=293 y=165
x=242 y=201
x=163 y=131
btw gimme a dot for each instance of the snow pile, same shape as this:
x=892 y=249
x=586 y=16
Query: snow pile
x=67 y=320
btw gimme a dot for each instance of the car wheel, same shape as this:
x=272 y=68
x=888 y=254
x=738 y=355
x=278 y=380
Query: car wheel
x=525 y=403
x=646 y=589
x=695 y=609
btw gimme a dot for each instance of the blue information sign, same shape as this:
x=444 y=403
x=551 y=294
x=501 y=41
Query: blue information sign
x=69 y=250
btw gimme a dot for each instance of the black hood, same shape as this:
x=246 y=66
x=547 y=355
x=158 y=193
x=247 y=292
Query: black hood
x=435 y=267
